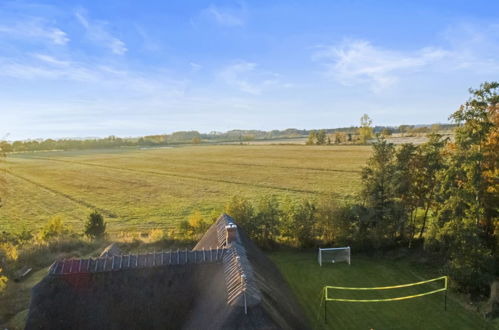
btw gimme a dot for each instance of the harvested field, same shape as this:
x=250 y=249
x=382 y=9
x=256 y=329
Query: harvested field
x=142 y=189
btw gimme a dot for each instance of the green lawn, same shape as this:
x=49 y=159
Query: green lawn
x=307 y=279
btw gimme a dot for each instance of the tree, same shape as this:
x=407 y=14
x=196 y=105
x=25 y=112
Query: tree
x=311 y=138
x=298 y=221
x=404 y=172
x=267 y=219
x=365 y=129
x=243 y=211
x=95 y=227
x=379 y=194
x=467 y=216
x=321 y=137
x=429 y=163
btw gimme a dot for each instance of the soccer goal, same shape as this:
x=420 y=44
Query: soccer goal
x=334 y=255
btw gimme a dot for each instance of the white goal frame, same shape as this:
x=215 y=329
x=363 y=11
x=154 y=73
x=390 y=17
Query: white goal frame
x=346 y=248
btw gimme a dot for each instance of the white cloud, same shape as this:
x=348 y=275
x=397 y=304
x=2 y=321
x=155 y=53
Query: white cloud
x=195 y=67
x=246 y=77
x=35 y=28
x=358 y=61
x=474 y=47
x=43 y=67
x=97 y=31
x=226 y=16
x=51 y=60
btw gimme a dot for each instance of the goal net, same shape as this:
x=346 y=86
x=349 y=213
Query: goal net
x=334 y=255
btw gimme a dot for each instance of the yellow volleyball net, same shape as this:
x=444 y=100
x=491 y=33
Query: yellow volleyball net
x=329 y=295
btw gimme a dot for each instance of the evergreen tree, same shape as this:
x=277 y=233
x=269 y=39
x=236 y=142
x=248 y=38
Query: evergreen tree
x=95 y=227
x=379 y=194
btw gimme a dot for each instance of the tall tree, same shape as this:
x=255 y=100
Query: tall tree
x=365 y=129
x=429 y=162
x=379 y=193
x=467 y=217
x=404 y=177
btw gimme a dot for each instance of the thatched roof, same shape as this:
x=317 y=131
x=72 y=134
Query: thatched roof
x=217 y=285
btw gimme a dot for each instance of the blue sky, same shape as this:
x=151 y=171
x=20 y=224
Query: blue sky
x=130 y=68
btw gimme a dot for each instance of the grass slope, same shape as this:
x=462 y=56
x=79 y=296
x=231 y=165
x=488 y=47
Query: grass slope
x=142 y=189
x=307 y=279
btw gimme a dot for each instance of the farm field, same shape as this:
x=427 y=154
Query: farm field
x=142 y=189
x=307 y=279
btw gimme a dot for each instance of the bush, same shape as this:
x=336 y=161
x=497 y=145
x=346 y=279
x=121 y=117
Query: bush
x=197 y=223
x=3 y=281
x=157 y=235
x=55 y=227
x=185 y=229
x=95 y=226
x=8 y=252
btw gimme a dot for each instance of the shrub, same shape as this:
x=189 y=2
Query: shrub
x=55 y=227
x=3 y=281
x=8 y=252
x=157 y=235
x=185 y=230
x=197 y=223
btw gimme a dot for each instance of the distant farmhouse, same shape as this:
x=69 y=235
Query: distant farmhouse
x=225 y=282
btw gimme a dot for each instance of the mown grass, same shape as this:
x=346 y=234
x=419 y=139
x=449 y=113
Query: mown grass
x=307 y=279
x=156 y=188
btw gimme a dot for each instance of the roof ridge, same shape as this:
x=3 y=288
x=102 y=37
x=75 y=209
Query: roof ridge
x=239 y=275
x=136 y=261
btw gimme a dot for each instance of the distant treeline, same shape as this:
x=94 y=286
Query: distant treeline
x=195 y=137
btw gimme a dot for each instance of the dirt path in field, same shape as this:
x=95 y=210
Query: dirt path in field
x=183 y=176
x=67 y=196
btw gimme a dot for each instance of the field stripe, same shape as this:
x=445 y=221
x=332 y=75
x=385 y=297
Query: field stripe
x=191 y=177
x=280 y=166
x=57 y=192
x=264 y=165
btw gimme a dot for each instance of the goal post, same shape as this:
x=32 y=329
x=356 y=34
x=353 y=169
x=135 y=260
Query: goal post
x=334 y=255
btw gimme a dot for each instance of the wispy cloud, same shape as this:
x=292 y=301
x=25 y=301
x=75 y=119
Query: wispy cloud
x=97 y=31
x=358 y=61
x=246 y=77
x=226 y=16
x=474 y=46
x=43 y=67
x=195 y=67
x=34 y=28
